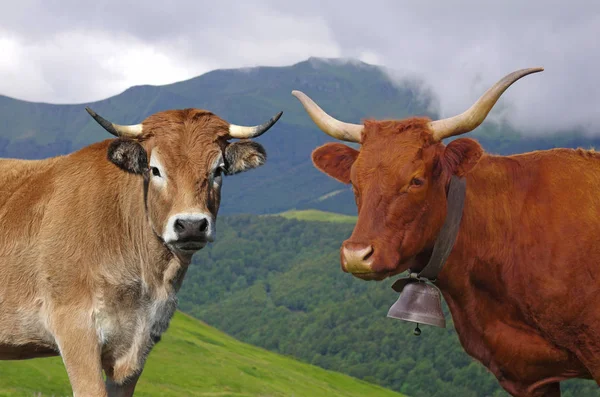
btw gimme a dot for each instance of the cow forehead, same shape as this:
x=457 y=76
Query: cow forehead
x=413 y=132
x=186 y=126
x=199 y=157
x=189 y=138
x=391 y=149
x=167 y=117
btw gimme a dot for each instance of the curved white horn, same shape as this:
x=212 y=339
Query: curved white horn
x=240 y=131
x=338 y=129
x=474 y=116
x=129 y=131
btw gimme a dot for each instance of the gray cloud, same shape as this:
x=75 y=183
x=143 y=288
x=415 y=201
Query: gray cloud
x=461 y=48
x=72 y=51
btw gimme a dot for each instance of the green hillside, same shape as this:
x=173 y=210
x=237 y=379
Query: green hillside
x=277 y=283
x=318 y=216
x=349 y=91
x=194 y=359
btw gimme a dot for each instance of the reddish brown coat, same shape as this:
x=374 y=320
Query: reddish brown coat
x=522 y=280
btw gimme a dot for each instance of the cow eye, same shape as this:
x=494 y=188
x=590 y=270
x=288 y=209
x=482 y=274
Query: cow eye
x=218 y=175
x=155 y=171
x=417 y=182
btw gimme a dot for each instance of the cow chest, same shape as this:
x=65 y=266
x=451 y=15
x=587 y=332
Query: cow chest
x=130 y=325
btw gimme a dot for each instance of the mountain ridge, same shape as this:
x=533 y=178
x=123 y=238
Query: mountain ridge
x=350 y=90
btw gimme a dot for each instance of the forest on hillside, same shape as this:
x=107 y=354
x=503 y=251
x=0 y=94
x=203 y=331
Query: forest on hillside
x=277 y=283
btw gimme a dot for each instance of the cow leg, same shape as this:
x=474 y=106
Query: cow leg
x=124 y=389
x=80 y=351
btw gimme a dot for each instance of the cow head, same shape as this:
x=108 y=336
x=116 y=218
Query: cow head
x=183 y=155
x=399 y=178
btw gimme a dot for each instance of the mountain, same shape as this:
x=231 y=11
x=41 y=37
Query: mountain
x=349 y=90
x=276 y=283
x=246 y=96
x=194 y=359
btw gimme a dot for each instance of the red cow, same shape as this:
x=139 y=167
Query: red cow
x=522 y=279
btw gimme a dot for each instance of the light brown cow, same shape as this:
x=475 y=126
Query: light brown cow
x=94 y=245
x=522 y=280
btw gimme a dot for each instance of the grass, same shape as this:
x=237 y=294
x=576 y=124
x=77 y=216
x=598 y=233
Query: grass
x=194 y=359
x=316 y=215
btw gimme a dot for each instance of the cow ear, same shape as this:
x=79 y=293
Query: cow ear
x=460 y=156
x=335 y=159
x=128 y=155
x=243 y=156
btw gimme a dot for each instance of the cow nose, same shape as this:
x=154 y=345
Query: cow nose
x=356 y=257
x=191 y=229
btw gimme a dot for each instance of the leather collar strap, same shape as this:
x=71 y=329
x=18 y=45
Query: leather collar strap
x=447 y=237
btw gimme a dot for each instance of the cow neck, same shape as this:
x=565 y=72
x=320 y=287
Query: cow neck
x=446 y=238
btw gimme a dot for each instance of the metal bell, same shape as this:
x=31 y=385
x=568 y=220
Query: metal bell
x=419 y=302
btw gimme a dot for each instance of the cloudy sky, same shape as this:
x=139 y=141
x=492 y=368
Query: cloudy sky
x=73 y=51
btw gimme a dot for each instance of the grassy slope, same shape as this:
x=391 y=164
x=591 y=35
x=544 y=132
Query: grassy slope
x=316 y=215
x=194 y=359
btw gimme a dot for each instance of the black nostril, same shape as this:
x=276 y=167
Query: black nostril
x=368 y=255
x=194 y=229
x=203 y=225
x=179 y=226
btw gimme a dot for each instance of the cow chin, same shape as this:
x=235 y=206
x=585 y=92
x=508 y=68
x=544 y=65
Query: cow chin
x=372 y=276
x=187 y=249
x=378 y=275
x=381 y=273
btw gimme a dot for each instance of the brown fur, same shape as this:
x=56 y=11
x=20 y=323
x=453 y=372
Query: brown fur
x=84 y=272
x=522 y=279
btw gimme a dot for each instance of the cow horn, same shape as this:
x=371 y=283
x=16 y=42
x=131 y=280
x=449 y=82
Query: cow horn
x=333 y=127
x=474 y=116
x=240 y=131
x=129 y=131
